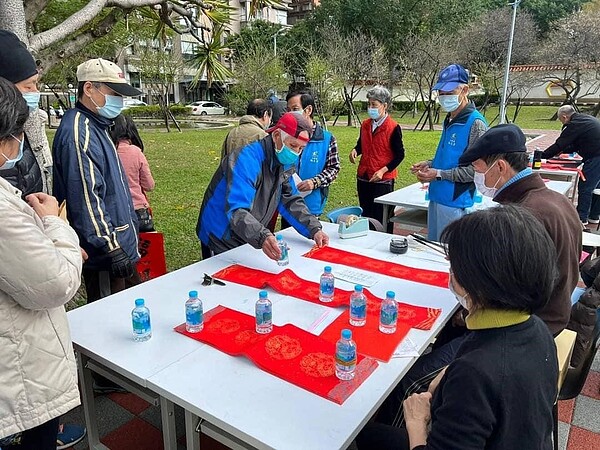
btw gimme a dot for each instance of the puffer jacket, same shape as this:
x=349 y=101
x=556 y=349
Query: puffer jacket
x=40 y=270
x=248 y=130
x=27 y=174
x=584 y=312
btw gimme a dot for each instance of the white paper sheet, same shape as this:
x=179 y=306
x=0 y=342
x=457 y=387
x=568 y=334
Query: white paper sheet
x=355 y=277
x=297 y=181
x=406 y=349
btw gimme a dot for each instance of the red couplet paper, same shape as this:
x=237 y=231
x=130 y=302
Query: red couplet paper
x=288 y=352
x=425 y=276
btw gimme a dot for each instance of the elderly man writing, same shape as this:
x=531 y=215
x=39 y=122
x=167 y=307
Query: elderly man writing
x=580 y=133
x=451 y=187
x=250 y=185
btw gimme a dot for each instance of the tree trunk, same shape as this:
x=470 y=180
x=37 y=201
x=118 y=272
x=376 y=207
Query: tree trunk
x=12 y=17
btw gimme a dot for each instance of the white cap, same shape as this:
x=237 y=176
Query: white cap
x=106 y=72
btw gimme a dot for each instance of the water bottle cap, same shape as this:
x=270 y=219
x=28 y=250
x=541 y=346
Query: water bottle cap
x=390 y=294
x=193 y=294
x=346 y=334
x=279 y=237
x=139 y=302
x=328 y=269
x=358 y=288
x=262 y=294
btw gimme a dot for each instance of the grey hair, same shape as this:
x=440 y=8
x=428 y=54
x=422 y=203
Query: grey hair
x=566 y=110
x=380 y=93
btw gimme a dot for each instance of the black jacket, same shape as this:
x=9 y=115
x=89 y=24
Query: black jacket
x=26 y=175
x=581 y=135
x=498 y=392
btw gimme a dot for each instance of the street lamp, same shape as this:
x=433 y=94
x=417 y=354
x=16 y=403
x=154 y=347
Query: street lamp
x=504 y=100
x=281 y=30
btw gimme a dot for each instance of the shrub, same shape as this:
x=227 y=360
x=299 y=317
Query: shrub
x=154 y=112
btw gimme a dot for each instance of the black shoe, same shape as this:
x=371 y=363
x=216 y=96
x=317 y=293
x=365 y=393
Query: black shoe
x=108 y=388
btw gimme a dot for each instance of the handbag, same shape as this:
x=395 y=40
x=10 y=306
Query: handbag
x=145 y=221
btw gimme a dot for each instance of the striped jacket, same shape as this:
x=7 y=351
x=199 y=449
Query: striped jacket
x=88 y=175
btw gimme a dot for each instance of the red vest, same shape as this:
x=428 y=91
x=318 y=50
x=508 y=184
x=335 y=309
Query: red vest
x=376 y=149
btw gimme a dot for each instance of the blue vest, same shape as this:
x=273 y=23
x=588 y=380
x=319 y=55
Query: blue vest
x=453 y=143
x=311 y=163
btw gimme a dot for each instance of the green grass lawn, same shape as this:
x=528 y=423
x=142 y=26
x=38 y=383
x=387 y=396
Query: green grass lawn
x=183 y=164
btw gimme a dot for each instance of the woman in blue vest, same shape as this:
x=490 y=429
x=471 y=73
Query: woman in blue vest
x=319 y=163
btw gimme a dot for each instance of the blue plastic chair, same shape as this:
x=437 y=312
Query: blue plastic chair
x=347 y=210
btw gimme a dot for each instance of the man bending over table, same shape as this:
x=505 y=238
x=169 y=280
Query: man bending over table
x=250 y=185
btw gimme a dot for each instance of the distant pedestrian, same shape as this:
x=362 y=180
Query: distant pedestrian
x=580 y=133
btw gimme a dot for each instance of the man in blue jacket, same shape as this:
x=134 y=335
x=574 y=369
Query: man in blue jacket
x=250 y=185
x=88 y=175
x=319 y=163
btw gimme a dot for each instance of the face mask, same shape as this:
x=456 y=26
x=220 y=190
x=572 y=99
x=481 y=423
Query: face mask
x=373 y=113
x=286 y=156
x=113 y=105
x=479 y=180
x=449 y=103
x=10 y=163
x=32 y=99
x=462 y=299
x=299 y=112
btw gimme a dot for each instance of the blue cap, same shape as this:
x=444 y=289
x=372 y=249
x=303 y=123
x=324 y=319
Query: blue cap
x=262 y=294
x=327 y=269
x=390 y=294
x=358 y=287
x=451 y=77
x=346 y=334
x=139 y=302
x=279 y=237
x=193 y=294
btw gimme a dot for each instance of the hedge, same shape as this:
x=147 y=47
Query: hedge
x=154 y=112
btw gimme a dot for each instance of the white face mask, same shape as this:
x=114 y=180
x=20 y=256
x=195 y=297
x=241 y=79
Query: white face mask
x=479 y=180
x=462 y=299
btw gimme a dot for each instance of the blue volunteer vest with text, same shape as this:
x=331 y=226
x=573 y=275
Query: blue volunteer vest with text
x=312 y=161
x=453 y=143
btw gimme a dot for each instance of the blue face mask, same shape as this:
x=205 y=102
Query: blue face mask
x=32 y=99
x=10 y=163
x=449 y=103
x=286 y=155
x=113 y=105
x=373 y=113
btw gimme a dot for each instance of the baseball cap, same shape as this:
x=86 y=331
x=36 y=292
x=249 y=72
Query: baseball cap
x=505 y=138
x=106 y=72
x=16 y=63
x=451 y=77
x=293 y=124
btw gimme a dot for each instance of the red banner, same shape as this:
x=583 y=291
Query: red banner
x=288 y=352
x=152 y=263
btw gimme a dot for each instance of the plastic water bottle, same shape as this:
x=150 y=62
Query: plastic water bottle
x=389 y=313
x=264 y=313
x=140 y=317
x=478 y=198
x=194 y=313
x=427 y=195
x=345 y=356
x=326 y=288
x=285 y=259
x=358 y=307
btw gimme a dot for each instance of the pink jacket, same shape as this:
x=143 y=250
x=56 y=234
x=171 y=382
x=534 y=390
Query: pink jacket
x=136 y=168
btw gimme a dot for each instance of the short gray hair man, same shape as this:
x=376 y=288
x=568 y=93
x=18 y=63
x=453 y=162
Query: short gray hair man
x=381 y=94
x=565 y=112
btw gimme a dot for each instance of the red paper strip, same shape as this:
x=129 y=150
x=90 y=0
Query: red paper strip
x=425 y=276
x=288 y=352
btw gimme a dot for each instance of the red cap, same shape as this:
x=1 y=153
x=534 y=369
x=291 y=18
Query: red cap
x=293 y=124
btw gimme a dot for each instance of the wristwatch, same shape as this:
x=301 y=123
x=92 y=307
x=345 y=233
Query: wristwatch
x=438 y=175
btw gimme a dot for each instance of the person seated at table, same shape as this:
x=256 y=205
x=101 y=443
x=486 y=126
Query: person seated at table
x=500 y=162
x=249 y=185
x=40 y=272
x=499 y=391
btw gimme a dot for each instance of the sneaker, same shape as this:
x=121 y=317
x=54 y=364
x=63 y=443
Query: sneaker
x=108 y=388
x=594 y=221
x=69 y=435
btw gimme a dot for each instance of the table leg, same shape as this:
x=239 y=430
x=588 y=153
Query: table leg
x=167 y=413
x=192 y=435
x=386 y=209
x=89 y=403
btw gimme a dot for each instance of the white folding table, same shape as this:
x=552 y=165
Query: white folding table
x=412 y=198
x=228 y=397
